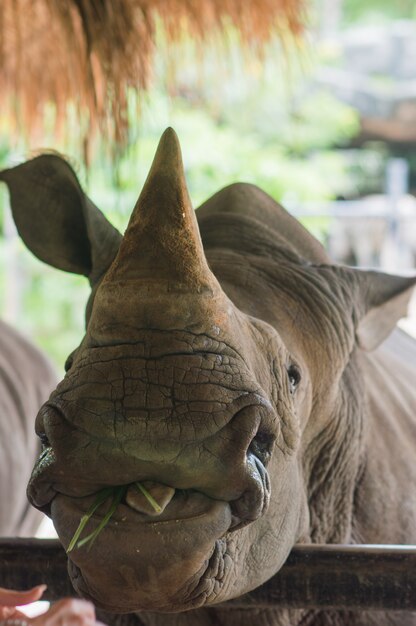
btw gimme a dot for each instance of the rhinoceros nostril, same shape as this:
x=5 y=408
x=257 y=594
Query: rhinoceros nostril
x=262 y=445
x=152 y=500
x=255 y=500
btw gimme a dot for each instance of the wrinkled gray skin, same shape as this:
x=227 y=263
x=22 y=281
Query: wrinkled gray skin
x=26 y=380
x=248 y=384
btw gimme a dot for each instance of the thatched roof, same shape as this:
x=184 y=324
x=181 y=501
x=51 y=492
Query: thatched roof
x=88 y=52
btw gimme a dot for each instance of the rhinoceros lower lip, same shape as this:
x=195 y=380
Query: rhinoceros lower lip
x=201 y=590
x=142 y=564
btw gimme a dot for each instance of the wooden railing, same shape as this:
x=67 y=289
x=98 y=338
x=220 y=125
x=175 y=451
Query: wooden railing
x=314 y=576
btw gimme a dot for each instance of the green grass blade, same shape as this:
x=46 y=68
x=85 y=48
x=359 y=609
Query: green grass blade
x=118 y=495
x=148 y=497
x=101 y=497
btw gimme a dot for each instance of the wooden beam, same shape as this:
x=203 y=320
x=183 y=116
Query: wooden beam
x=337 y=576
x=314 y=576
x=25 y=563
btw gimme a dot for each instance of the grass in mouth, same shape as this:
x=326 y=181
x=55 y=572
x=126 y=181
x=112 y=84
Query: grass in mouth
x=117 y=494
x=148 y=497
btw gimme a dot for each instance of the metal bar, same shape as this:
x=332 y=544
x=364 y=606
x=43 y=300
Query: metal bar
x=314 y=576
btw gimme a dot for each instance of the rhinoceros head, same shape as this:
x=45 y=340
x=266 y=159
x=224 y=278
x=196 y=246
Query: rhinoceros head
x=220 y=415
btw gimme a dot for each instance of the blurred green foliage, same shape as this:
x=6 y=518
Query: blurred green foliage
x=377 y=11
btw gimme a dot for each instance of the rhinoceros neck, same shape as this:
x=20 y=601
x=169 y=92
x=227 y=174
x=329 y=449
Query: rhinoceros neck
x=333 y=462
x=383 y=509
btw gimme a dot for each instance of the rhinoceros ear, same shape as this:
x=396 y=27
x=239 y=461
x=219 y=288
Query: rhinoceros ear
x=56 y=220
x=384 y=299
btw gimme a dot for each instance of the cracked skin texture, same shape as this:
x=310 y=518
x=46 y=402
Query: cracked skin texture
x=261 y=392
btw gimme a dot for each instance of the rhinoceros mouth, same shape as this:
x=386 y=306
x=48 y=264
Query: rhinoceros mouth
x=137 y=563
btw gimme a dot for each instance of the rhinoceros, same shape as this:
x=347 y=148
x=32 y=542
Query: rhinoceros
x=26 y=380
x=246 y=383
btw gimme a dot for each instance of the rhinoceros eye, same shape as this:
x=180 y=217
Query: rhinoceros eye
x=294 y=376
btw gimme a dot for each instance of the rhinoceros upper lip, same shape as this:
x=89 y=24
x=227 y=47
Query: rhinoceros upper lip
x=185 y=504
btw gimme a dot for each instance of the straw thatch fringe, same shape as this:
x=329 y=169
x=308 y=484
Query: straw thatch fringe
x=88 y=52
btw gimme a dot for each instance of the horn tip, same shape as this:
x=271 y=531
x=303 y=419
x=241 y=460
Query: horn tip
x=169 y=141
x=170 y=133
x=168 y=155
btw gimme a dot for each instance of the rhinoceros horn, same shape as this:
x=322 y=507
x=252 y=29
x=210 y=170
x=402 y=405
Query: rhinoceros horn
x=160 y=275
x=162 y=240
